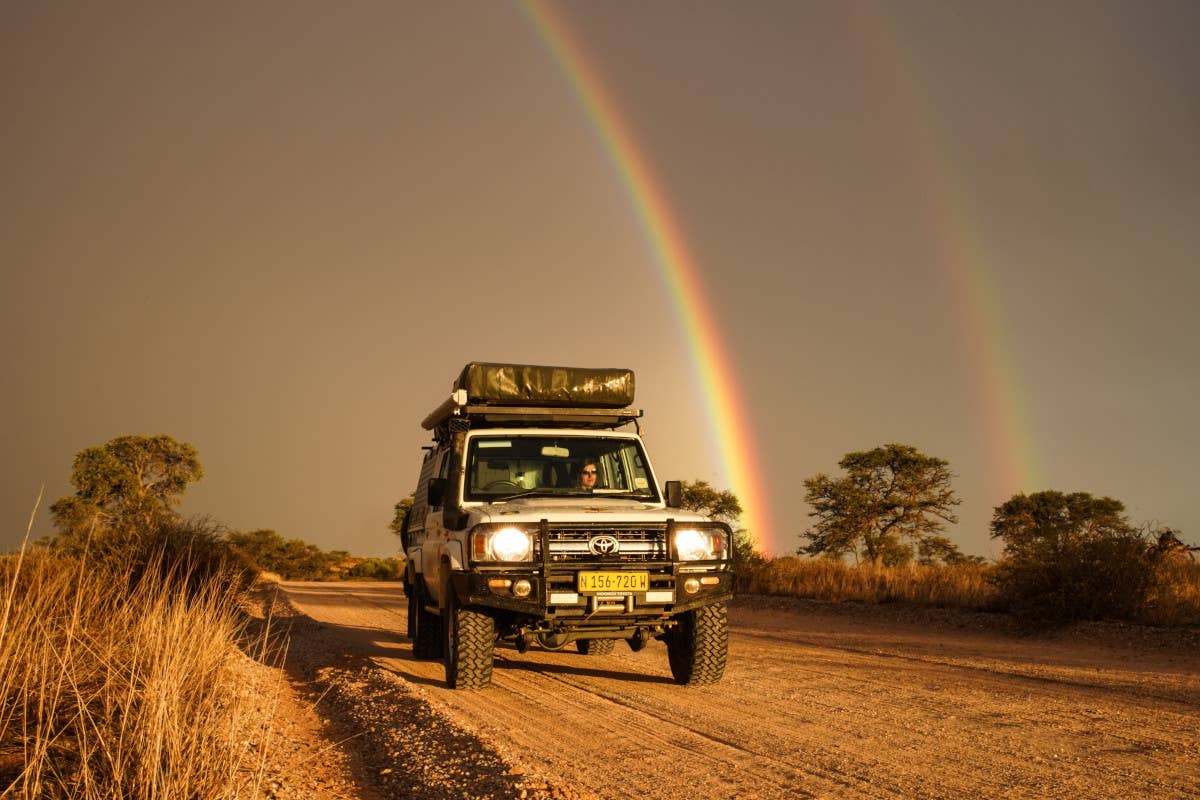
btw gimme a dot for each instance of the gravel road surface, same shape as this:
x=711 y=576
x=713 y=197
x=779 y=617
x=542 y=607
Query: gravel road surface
x=819 y=700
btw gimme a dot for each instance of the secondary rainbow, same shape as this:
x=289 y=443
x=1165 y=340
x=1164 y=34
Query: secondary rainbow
x=960 y=254
x=711 y=361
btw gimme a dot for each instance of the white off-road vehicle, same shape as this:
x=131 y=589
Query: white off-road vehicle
x=537 y=519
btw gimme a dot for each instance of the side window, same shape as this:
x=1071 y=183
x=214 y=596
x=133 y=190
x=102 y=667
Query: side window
x=444 y=460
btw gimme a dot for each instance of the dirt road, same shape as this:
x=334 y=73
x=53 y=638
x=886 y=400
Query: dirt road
x=819 y=701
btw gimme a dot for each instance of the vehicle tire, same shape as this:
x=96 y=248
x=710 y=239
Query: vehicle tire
x=412 y=612
x=427 y=628
x=596 y=647
x=698 y=645
x=470 y=639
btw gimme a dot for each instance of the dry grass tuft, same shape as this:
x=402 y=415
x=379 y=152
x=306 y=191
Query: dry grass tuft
x=110 y=691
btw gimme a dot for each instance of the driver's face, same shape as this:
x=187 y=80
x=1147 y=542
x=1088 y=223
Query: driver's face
x=587 y=476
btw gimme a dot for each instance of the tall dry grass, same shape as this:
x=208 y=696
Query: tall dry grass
x=956 y=586
x=1175 y=598
x=112 y=691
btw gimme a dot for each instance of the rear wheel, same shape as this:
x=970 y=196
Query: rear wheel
x=595 y=647
x=412 y=616
x=424 y=626
x=698 y=645
x=470 y=638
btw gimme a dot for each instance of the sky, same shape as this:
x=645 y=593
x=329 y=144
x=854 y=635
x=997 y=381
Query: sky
x=278 y=230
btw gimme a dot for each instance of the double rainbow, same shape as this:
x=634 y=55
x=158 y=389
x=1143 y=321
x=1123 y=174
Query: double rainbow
x=958 y=252
x=713 y=366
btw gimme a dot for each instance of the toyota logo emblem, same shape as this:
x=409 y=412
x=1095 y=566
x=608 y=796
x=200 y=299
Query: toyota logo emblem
x=603 y=545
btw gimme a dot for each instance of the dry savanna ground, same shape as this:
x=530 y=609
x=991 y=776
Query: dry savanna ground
x=819 y=700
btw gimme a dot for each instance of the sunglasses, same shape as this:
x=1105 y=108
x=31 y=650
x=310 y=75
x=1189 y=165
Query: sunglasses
x=589 y=472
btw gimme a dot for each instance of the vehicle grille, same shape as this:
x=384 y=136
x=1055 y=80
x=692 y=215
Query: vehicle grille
x=568 y=545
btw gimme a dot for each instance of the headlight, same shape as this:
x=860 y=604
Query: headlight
x=700 y=544
x=501 y=544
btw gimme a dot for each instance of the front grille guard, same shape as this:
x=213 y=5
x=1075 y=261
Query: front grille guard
x=559 y=564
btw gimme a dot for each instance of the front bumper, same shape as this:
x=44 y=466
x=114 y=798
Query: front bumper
x=561 y=553
x=554 y=595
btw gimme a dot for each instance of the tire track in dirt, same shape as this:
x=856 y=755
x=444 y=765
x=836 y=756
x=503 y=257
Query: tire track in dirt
x=1002 y=722
x=1070 y=700
x=1182 y=691
x=819 y=705
x=662 y=736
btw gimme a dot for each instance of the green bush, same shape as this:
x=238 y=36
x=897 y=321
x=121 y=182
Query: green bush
x=1072 y=557
x=380 y=569
x=1109 y=578
x=188 y=554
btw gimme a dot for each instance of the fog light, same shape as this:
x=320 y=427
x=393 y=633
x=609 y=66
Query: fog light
x=691 y=586
x=522 y=588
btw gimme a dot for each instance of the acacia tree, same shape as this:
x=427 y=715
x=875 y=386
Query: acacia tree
x=891 y=499
x=129 y=484
x=1040 y=524
x=723 y=505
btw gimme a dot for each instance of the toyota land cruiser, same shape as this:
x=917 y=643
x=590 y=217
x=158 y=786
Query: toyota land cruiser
x=537 y=518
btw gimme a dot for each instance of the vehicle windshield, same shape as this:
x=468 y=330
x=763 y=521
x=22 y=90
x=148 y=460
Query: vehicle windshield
x=499 y=467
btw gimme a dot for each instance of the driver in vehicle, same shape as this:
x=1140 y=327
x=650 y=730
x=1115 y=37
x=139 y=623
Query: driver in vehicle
x=587 y=476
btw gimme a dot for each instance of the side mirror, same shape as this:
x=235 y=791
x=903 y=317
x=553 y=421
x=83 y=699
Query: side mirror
x=674 y=492
x=437 y=492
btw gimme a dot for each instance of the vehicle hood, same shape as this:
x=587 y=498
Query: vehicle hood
x=582 y=509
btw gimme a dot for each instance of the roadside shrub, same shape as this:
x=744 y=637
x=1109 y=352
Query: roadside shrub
x=746 y=559
x=380 y=569
x=192 y=552
x=1074 y=557
x=1104 y=578
x=265 y=550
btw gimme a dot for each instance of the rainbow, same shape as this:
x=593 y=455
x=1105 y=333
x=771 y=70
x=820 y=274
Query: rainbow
x=711 y=361
x=960 y=255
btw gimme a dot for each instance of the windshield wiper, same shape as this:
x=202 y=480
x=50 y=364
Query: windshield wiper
x=528 y=493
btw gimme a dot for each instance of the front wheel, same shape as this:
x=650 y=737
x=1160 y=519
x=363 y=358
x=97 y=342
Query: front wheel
x=470 y=638
x=698 y=645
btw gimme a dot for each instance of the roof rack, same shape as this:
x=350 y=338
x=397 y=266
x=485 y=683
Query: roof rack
x=484 y=415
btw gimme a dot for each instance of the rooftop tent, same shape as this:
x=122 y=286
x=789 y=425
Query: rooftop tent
x=531 y=385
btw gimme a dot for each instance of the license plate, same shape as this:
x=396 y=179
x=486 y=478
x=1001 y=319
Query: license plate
x=613 y=581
